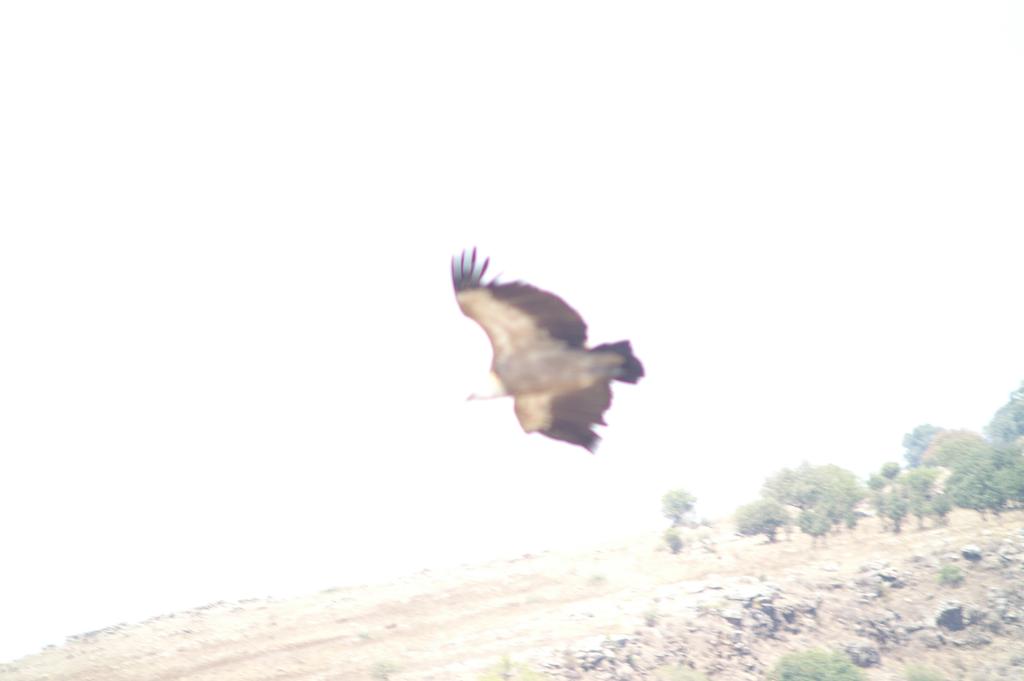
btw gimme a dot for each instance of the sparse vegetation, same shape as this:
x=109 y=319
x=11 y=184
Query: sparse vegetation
x=676 y=505
x=951 y=575
x=672 y=540
x=816 y=665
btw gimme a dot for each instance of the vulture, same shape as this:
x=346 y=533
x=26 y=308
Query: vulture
x=561 y=388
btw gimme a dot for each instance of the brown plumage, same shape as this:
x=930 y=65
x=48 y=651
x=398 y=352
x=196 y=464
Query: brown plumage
x=561 y=388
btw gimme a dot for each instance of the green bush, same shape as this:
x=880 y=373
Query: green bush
x=951 y=575
x=816 y=665
x=916 y=673
x=673 y=540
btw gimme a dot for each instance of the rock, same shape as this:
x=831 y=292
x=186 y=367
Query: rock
x=974 y=639
x=931 y=638
x=950 y=616
x=971 y=552
x=733 y=616
x=863 y=655
x=748 y=592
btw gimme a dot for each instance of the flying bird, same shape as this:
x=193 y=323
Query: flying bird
x=561 y=388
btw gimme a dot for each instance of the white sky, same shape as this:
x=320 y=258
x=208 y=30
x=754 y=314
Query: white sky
x=232 y=363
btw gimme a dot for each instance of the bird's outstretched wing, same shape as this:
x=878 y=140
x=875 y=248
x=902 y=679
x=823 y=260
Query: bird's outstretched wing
x=515 y=316
x=569 y=417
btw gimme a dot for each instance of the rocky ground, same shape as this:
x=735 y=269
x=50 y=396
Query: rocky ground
x=727 y=607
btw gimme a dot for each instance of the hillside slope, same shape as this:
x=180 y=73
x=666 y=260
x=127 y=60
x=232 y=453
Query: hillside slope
x=726 y=606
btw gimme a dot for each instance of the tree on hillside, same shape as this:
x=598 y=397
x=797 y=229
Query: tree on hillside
x=764 y=516
x=956 y=448
x=841 y=491
x=793 y=487
x=892 y=507
x=1007 y=425
x=1009 y=462
x=916 y=443
x=974 y=484
x=829 y=491
x=919 y=486
x=815 y=524
x=940 y=507
x=676 y=505
x=890 y=470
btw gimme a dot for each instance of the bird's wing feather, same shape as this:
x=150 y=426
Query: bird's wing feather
x=515 y=315
x=569 y=417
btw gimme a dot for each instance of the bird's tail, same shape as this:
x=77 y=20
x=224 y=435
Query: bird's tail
x=631 y=369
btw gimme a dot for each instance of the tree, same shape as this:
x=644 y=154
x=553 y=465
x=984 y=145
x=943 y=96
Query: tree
x=830 y=489
x=955 y=448
x=1007 y=425
x=676 y=505
x=815 y=665
x=815 y=524
x=940 y=507
x=890 y=470
x=793 y=487
x=896 y=507
x=1009 y=463
x=840 y=492
x=974 y=485
x=765 y=517
x=916 y=443
x=919 y=487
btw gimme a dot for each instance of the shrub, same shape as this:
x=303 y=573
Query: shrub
x=761 y=517
x=673 y=540
x=816 y=665
x=951 y=575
